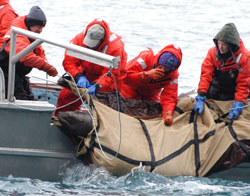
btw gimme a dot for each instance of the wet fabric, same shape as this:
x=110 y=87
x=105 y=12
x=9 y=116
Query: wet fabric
x=196 y=145
x=193 y=145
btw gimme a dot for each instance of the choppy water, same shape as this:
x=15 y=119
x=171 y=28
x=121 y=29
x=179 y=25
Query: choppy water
x=83 y=180
x=189 y=24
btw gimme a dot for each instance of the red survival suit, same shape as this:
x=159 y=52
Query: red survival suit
x=164 y=90
x=228 y=78
x=34 y=59
x=7 y=15
x=112 y=45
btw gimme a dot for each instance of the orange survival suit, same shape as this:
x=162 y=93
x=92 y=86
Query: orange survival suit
x=164 y=89
x=111 y=45
x=7 y=15
x=226 y=77
x=34 y=59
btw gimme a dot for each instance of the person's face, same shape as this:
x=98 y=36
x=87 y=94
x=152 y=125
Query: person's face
x=164 y=68
x=36 y=29
x=223 y=47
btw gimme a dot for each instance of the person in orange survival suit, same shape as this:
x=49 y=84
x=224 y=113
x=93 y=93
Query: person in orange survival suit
x=155 y=78
x=35 y=21
x=225 y=72
x=7 y=15
x=98 y=37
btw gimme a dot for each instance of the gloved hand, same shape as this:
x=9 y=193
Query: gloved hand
x=199 y=104
x=50 y=70
x=236 y=110
x=92 y=89
x=83 y=82
x=167 y=117
x=153 y=74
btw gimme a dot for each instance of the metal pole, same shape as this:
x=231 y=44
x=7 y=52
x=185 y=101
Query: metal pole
x=74 y=50
x=12 y=68
x=2 y=85
x=25 y=51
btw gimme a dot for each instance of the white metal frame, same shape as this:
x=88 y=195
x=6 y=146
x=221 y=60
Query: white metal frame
x=72 y=50
x=2 y=85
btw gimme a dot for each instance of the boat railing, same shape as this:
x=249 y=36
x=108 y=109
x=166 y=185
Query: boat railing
x=2 y=85
x=72 y=50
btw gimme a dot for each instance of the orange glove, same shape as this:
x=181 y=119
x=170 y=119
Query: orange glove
x=167 y=117
x=51 y=71
x=153 y=74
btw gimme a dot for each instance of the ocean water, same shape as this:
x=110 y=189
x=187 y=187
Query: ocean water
x=189 y=24
x=83 y=180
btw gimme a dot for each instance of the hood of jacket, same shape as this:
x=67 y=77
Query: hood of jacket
x=170 y=48
x=230 y=35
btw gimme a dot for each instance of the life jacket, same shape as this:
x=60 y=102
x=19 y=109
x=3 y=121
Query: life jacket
x=223 y=85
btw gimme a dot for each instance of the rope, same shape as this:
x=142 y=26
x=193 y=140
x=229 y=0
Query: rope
x=119 y=116
x=51 y=81
x=80 y=97
x=92 y=118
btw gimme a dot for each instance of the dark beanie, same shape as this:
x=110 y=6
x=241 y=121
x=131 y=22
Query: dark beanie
x=36 y=17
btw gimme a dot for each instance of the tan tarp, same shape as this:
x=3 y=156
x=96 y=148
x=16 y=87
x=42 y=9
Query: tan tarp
x=191 y=146
x=178 y=139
